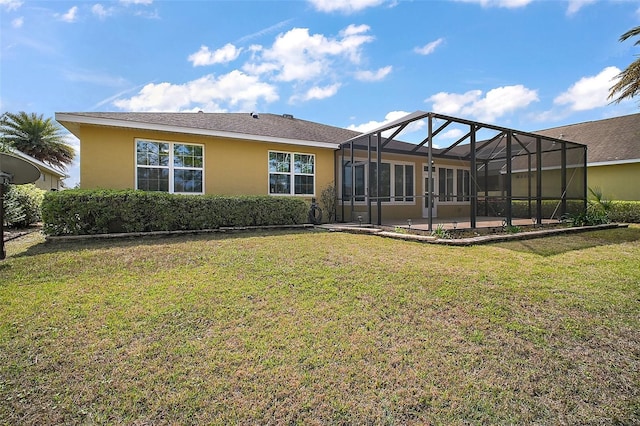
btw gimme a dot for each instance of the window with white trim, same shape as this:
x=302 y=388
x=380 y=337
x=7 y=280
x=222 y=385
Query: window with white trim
x=464 y=185
x=169 y=167
x=403 y=179
x=291 y=173
x=397 y=181
x=453 y=185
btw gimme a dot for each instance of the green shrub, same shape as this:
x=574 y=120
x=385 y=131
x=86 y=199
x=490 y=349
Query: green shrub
x=23 y=205
x=625 y=211
x=519 y=208
x=82 y=212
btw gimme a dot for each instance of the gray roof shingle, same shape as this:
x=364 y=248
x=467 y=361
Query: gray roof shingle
x=611 y=139
x=268 y=125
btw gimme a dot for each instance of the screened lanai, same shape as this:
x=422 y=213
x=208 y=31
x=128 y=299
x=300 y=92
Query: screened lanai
x=459 y=171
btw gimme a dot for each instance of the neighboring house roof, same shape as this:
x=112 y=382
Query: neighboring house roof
x=44 y=168
x=609 y=141
x=262 y=127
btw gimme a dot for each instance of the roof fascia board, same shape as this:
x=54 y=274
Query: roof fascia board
x=189 y=130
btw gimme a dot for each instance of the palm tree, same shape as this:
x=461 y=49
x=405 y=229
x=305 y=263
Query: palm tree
x=628 y=84
x=38 y=137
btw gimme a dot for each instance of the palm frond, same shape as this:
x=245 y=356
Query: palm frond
x=38 y=137
x=627 y=85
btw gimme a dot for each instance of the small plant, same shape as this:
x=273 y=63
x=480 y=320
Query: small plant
x=440 y=232
x=512 y=229
x=400 y=230
x=599 y=202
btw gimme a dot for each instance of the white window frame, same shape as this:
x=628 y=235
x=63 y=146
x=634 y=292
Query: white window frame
x=292 y=173
x=170 y=166
x=367 y=174
x=454 y=194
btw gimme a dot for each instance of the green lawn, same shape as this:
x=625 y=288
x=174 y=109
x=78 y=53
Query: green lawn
x=309 y=327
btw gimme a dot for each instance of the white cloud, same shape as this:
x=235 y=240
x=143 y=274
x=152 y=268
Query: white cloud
x=11 y=4
x=509 y=4
x=317 y=92
x=71 y=15
x=298 y=56
x=235 y=89
x=589 y=92
x=391 y=116
x=18 y=22
x=264 y=31
x=452 y=134
x=452 y=103
x=344 y=6
x=576 y=5
x=204 y=56
x=496 y=103
x=428 y=48
x=100 y=11
x=374 y=75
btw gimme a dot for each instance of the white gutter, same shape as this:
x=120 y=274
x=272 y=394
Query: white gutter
x=614 y=162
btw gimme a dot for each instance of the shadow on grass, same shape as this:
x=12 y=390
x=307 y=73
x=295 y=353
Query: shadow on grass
x=47 y=247
x=553 y=245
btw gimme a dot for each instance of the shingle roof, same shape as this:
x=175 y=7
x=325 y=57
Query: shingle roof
x=266 y=125
x=612 y=139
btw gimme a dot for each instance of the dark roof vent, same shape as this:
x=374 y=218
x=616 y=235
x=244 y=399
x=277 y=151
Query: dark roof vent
x=289 y=116
x=201 y=112
x=255 y=115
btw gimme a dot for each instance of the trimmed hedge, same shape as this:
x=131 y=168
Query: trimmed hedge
x=519 y=208
x=87 y=212
x=624 y=211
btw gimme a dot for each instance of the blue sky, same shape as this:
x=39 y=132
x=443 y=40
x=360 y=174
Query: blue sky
x=525 y=64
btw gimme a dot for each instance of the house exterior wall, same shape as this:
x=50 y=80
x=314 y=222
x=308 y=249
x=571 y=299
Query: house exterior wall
x=48 y=182
x=231 y=166
x=400 y=211
x=617 y=182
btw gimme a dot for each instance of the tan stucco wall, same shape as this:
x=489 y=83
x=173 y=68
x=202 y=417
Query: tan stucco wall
x=617 y=182
x=231 y=166
x=48 y=182
x=402 y=212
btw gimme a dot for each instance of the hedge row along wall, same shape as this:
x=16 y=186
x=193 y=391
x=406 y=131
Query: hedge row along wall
x=86 y=212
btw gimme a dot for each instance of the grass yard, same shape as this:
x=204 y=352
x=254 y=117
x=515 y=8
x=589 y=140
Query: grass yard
x=313 y=328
